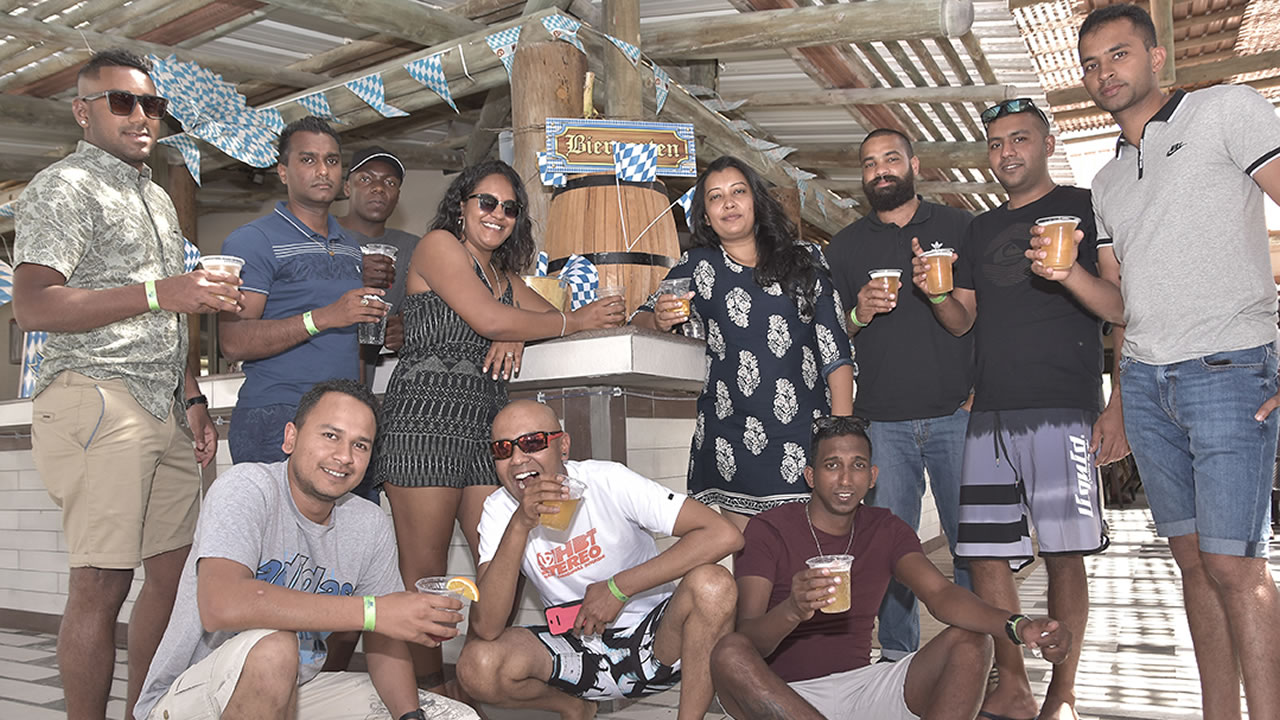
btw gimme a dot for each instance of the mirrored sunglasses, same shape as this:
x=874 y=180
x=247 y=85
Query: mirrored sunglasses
x=1012 y=107
x=528 y=443
x=489 y=203
x=122 y=103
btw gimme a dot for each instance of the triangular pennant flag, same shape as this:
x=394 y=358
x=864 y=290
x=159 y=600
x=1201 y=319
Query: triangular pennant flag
x=635 y=162
x=631 y=51
x=718 y=105
x=822 y=201
x=32 y=357
x=186 y=145
x=317 y=104
x=779 y=152
x=371 y=90
x=564 y=28
x=845 y=203
x=661 y=87
x=430 y=72
x=504 y=44
x=550 y=175
x=686 y=204
x=190 y=255
x=6 y=210
x=272 y=118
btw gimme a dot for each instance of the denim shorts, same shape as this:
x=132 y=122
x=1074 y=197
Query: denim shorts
x=1206 y=463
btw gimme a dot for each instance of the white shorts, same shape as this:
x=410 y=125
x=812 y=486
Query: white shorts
x=875 y=691
x=204 y=689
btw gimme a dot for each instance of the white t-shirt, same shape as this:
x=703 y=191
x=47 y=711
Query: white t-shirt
x=607 y=535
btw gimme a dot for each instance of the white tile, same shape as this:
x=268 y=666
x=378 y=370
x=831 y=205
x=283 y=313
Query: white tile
x=29 y=500
x=25 y=671
x=651 y=433
x=30 y=480
x=43 y=560
x=8 y=479
x=29 y=580
x=29 y=539
x=23 y=654
x=49 y=518
x=9 y=519
x=18 y=640
x=29 y=692
x=9 y=709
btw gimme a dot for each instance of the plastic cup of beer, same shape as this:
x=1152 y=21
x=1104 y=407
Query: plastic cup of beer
x=568 y=506
x=938 y=279
x=436 y=585
x=229 y=264
x=373 y=333
x=892 y=278
x=1060 y=230
x=381 y=249
x=604 y=292
x=678 y=287
x=839 y=565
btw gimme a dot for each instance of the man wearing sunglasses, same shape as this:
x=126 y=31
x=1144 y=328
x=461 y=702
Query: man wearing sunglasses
x=914 y=376
x=100 y=266
x=635 y=633
x=1038 y=429
x=304 y=296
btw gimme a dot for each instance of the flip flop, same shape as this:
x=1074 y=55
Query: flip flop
x=993 y=716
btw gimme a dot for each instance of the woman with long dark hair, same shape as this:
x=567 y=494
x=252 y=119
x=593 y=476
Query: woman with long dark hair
x=778 y=355
x=466 y=316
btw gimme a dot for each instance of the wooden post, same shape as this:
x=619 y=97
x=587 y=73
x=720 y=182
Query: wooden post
x=546 y=81
x=182 y=191
x=789 y=196
x=1162 y=17
x=625 y=100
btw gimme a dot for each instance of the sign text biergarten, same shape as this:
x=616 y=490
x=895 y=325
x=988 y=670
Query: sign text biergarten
x=586 y=146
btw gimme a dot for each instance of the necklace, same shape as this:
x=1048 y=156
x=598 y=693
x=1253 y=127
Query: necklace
x=809 y=517
x=496 y=278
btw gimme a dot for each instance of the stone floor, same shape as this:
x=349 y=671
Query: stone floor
x=1137 y=660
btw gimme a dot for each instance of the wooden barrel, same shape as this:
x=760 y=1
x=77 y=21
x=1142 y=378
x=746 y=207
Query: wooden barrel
x=584 y=219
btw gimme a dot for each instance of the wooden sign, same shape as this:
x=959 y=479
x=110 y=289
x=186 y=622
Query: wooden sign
x=586 y=146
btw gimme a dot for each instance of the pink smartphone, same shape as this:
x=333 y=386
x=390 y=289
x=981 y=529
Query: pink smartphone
x=560 y=618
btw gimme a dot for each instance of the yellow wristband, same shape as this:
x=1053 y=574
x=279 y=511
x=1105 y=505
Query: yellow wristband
x=613 y=588
x=153 y=302
x=938 y=299
x=853 y=317
x=310 y=324
x=370 y=613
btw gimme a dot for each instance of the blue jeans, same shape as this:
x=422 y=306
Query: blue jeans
x=1207 y=465
x=903 y=451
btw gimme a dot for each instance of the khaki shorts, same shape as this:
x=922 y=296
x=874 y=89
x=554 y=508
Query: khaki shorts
x=128 y=484
x=204 y=689
x=872 y=691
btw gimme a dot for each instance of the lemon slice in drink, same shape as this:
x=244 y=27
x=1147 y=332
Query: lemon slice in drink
x=466 y=587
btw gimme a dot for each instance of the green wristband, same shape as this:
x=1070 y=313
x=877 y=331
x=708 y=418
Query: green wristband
x=370 y=613
x=613 y=588
x=938 y=299
x=310 y=324
x=153 y=302
x=853 y=317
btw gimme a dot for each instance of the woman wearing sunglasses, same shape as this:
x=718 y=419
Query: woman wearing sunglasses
x=466 y=317
x=778 y=355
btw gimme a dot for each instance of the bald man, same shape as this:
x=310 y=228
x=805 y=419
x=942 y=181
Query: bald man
x=618 y=626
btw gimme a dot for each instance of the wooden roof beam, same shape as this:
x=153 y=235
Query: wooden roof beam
x=407 y=20
x=942 y=155
x=1196 y=75
x=927 y=187
x=807 y=27
x=875 y=96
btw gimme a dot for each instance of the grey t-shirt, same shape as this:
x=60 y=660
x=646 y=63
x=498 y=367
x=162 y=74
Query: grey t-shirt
x=249 y=517
x=1187 y=224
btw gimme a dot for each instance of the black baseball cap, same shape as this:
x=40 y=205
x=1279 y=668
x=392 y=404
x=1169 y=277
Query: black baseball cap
x=376 y=153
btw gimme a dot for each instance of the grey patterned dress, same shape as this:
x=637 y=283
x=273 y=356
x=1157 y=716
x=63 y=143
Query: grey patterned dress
x=765 y=381
x=438 y=407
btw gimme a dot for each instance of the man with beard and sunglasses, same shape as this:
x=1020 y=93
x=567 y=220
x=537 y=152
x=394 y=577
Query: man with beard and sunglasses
x=618 y=626
x=1038 y=428
x=100 y=265
x=303 y=296
x=914 y=377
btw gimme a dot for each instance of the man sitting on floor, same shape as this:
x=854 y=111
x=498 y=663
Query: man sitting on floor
x=635 y=632
x=793 y=657
x=284 y=554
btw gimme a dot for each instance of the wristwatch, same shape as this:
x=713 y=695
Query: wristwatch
x=414 y=715
x=1011 y=628
x=197 y=400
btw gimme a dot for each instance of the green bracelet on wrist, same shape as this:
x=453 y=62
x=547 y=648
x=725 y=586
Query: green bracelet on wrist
x=310 y=324
x=853 y=318
x=153 y=302
x=370 y=613
x=939 y=299
x=613 y=588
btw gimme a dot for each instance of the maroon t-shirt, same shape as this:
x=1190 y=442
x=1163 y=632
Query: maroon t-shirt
x=778 y=542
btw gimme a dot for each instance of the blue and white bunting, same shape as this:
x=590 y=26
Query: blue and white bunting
x=318 y=105
x=504 y=44
x=184 y=144
x=661 y=87
x=581 y=276
x=721 y=106
x=631 y=51
x=6 y=283
x=430 y=72
x=550 y=176
x=371 y=90
x=686 y=204
x=6 y=210
x=32 y=356
x=564 y=28
x=190 y=255
x=635 y=162
x=543 y=262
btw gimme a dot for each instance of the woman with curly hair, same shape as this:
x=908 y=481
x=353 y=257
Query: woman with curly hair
x=466 y=317
x=778 y=355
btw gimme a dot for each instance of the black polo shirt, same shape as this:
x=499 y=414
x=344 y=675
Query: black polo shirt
x=909 y=366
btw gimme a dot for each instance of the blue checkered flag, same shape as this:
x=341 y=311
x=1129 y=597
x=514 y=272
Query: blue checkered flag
x=635 y=162
x=430 y=72
x=6 y=283
x=564 y=28
x=661 y=87
x=582 y=278
x=686 y=204
x=371 y=90
x=190 y=255
x=318 y=105
x=186 y=145
x=32 y=357
x=504 y=44
x=631 y=51
x=547 y=171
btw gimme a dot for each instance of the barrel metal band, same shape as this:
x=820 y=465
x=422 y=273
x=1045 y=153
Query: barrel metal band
x=618 y=258
x=603 y=179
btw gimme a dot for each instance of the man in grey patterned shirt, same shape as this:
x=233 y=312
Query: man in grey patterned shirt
x=100 y=262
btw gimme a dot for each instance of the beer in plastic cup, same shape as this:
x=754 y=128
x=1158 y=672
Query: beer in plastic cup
x=1060 y=230
x=229 y=264
x=678 y=287
x=839 y=565
x=891 y=276
x=568 y=506
x=938 y=279
x=373 y=333
x=605 y=292
x=381 y=249
x=436 y=586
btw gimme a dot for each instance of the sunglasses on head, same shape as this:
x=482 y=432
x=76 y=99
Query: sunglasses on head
x=489 y=203
x=528 y=443
x=840 y=424
x=122 y=103
x=1012 y=107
